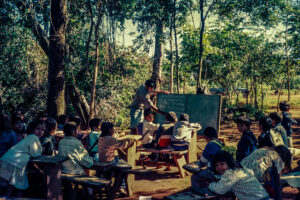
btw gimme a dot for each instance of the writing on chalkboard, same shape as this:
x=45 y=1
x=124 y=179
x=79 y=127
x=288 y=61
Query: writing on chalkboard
x=203 y=109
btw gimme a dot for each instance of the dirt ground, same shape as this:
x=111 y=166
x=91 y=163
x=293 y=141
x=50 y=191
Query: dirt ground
x=160 y=183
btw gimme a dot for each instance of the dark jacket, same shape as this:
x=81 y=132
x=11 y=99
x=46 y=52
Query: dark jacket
x=48 y=143
x=287 y=122
x=246 y=145
x=265 y=140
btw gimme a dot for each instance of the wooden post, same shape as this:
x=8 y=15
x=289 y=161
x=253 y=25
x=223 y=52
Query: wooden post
x=192 y=154
x=54 y=182
x=130 y=158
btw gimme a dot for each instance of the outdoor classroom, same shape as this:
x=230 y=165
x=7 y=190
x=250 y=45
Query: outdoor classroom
x=149 y=99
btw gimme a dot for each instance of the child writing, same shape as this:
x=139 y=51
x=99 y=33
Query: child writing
x=248 y=141
x=203 y=178
x=236 y=179
x=107 y=144
x=48 y=140
x=13 y=163
x=95 y=126
x=182 y=133
x=71 y=147
x=287 y=120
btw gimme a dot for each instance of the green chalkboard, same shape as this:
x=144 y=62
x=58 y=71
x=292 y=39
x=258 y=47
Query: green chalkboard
x=203 y=109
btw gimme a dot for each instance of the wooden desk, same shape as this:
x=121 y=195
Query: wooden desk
x=52 y=169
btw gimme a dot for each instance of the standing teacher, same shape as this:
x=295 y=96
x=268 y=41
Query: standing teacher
x=142 y=101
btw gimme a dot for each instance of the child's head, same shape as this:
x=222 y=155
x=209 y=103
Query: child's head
x=107 y=129
x=210 y=133
x=184 y=117
x=265 y=124
x=95 y=124
x=285 y=155
x=275 y=117
x=18 y=113
x=50 y=126
x=75 y=119
x=17 y=123
x=223 y=161
x=243 y=124
x=148 y=115
x=62 y=119
x=171 y=117
x=43 y=115
x=149 y=85
x=284 y=106
x=36 y=127
x=71 y=129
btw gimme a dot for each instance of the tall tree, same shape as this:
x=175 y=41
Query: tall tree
x=57 y=47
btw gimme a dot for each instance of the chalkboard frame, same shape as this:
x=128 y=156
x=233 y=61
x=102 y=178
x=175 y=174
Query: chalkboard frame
x=164 y=102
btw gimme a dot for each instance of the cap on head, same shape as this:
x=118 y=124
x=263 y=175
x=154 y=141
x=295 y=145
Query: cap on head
x=149 y=83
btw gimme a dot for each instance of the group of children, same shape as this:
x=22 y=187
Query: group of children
x=172 y=133
x=242 y=176
x=254 y=157
x=39 y=138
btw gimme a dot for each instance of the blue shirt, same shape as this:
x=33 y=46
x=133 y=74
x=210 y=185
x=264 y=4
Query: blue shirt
x=246 y=145
x=7 y=140
x=210 y=150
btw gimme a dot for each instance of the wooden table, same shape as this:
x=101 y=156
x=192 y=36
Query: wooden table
x=52 y=170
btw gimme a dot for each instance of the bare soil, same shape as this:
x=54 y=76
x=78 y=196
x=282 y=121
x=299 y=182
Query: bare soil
x=160 y=183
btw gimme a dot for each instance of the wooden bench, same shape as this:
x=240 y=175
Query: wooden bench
x=178 y=156
x=85 y=181
x=190 y=195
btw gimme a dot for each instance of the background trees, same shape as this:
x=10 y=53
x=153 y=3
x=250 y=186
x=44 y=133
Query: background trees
x=69 y=56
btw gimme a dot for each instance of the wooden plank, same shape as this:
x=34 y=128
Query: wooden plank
x=180 y=161
x=162 y=151
x=91 y=181
x=189 y=195
x=54 y=184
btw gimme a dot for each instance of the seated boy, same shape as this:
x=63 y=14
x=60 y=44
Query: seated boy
x=71 y=147
x=147 y=129
x=95 y=126
x=287 y=120
x=48 y=140
x=276 y=119
x=203 y=178
x=248 y=141
x=165 y=131
x=182 y=133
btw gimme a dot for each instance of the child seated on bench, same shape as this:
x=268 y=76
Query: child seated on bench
x=203 y=178
x=165 y=131
x=71 y=147
x=107 y=144
x=14 y=162
x=236 y=179
x=147 y=129
x=92 y=142
x=182 y=133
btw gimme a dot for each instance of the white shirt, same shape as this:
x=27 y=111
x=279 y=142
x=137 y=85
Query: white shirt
x=148 y=131
x=241 y=182
x=182 y=131
x=78 y=156
x=20 y=154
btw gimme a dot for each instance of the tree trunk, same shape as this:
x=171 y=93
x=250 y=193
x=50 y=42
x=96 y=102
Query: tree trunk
x=262 y=96
x=93 y=90
x=201 y=43
x=80 y=105
x=255 y=93
x=171 y=61
x=287 y=66
x=156 y=73
x=56 y=80
x=176 y=47
x=87 y=50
